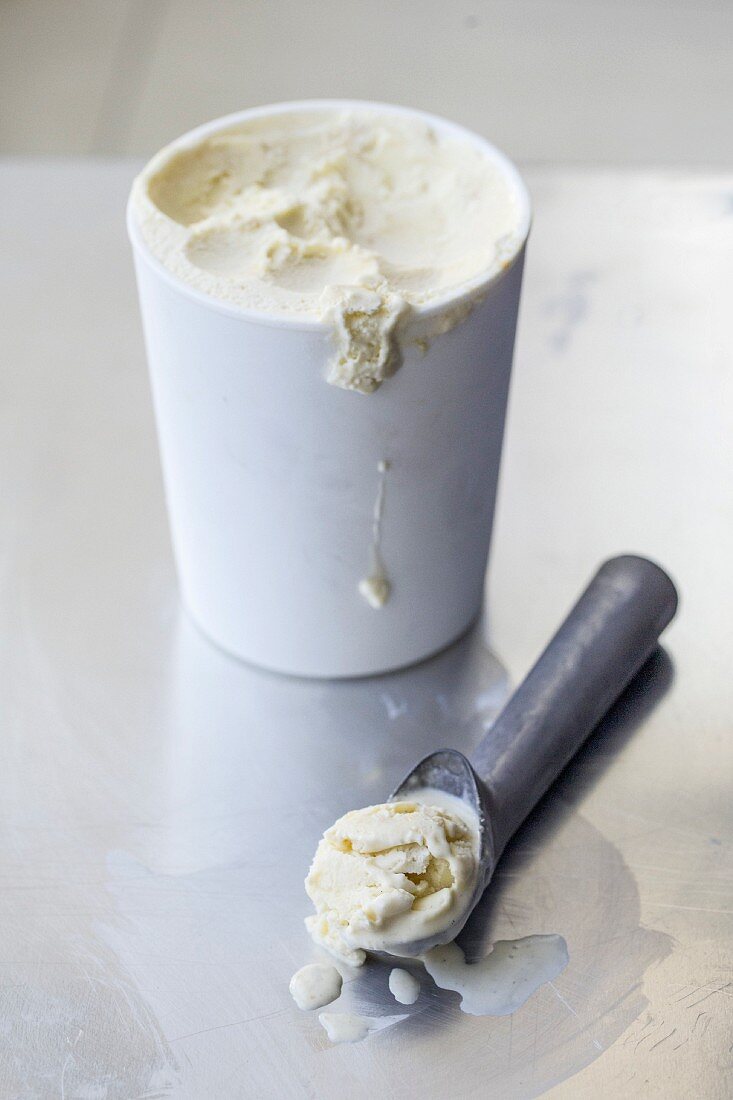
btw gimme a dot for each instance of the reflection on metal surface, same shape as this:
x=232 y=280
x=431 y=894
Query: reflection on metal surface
x=345 y=1027
x=72 y=992
x=250 y=743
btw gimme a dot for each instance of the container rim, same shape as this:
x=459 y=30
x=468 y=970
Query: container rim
x=472 y=288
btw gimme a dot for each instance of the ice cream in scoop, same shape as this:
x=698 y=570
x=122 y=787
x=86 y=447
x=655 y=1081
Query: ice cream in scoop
x=389 y=876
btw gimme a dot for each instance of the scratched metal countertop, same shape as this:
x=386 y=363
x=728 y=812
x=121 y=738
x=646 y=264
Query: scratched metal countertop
x=160 y=802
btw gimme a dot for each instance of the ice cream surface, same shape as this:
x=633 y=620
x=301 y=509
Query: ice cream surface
x=392 y=876
x=349 y=216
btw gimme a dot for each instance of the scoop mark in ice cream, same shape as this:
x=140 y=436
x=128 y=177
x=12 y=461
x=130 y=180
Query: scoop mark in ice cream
x=387 y=877
x=352 y=217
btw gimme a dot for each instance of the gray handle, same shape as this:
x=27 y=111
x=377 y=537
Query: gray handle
x=606 y=638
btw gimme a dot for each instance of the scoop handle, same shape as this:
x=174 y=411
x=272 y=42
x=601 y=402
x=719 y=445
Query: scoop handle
x=609 y=634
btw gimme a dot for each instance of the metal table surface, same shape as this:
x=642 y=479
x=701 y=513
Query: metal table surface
x=161 y=802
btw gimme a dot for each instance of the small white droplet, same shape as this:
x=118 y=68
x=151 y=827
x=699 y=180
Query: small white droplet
x=315 y=985
x=501 y=982
x=404 y=986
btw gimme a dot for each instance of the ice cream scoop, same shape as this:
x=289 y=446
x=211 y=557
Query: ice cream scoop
x=604 y=641
x=403 y=876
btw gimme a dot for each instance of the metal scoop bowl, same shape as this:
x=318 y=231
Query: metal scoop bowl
x=608 y=635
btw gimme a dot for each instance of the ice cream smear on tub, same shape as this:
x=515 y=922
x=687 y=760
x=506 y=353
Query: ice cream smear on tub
x=354 y=217
x=393 y=876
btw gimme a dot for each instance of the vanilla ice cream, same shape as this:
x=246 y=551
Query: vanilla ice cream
x=352 y=217
x=387 y=877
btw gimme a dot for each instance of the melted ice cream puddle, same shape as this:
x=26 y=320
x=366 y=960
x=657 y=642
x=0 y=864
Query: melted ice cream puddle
x=501 y=982
x=404 y=986
x=315 y=985
x=376 y=587
x=345 y=1027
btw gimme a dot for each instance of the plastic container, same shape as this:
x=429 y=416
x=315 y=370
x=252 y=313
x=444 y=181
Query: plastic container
x=271 y=474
